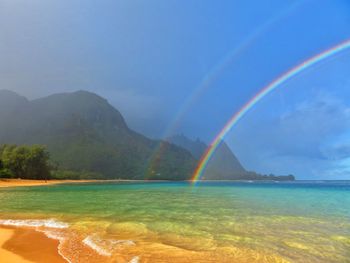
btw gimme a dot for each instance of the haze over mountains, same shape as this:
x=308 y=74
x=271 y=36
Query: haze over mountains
x=223 y=165
x=84 y=133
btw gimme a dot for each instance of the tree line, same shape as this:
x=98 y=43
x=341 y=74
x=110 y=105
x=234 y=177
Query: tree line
x=25 y=162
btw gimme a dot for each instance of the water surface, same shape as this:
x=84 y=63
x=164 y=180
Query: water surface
x=176 y=222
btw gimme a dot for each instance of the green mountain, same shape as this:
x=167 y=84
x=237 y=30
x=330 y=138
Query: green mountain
x=223 y=165
x=84 y=133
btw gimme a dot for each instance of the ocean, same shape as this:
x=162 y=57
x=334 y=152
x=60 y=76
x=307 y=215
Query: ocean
x=302 y=221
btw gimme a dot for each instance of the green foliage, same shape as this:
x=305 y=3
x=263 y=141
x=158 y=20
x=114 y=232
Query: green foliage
x=26 y=162
x=72 y=175
x=85 y=134
x=5 y=173
x=165 y=165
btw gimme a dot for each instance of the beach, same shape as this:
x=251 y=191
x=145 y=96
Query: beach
x=5 y=255
x=25 y=245
x=23 y=182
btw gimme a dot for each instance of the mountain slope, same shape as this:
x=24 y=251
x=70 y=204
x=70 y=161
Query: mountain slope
x=84 y=133
x=223 y=165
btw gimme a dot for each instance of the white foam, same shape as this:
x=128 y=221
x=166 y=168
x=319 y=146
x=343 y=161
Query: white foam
x=105 y=247
x=135 y=260
x=90 y=243
x=53 y=234
x=36 y=223
x=49 y=223
x=57 y=236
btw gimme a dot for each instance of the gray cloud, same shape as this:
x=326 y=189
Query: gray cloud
x=311 y=140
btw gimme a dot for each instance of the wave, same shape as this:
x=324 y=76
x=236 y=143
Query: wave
x=105 y=247
x=61 y=239
x=48 y=223
x=90 y=243
x=60 y=231
x=53 y=228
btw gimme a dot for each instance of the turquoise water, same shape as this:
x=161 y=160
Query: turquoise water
x=271 y=222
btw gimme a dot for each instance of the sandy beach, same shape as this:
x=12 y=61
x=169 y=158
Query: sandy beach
x=26 y=245
x=22 y=245
x=5 y=255
x=22 y=182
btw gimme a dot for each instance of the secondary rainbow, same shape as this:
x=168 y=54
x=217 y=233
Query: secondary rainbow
x=259 y=96
x=208 y=81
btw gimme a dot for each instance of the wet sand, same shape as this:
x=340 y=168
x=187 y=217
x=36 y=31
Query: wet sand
x=26 y=245
x=21 y=245
x=5 y=255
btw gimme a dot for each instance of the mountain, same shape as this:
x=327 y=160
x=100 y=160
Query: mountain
x=84 y=133
x=10 y=103
x=223 y=165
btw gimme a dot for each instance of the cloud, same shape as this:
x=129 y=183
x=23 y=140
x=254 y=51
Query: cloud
x=139 y=110
x=304 y=130
x=311 y=140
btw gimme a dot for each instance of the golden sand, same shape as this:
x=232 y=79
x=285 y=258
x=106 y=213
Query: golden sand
x=22 y=182
x=5 y=255
x=22 y=245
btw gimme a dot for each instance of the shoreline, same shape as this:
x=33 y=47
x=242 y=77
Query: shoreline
x=27 y=182
x=4 y=183
x=26 y=245
x=8 y=256
x=30 y=245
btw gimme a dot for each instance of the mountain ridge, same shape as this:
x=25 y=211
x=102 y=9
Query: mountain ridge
x=83 y=132
x=223 y=165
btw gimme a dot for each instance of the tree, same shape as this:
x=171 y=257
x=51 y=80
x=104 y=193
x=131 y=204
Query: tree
x=37 y=163
x=27 y=162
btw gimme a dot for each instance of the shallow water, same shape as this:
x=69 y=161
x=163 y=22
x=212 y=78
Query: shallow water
x=176 y=222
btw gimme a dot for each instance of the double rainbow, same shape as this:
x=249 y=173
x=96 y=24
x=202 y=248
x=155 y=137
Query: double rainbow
x=259 y=96
x=209 y=79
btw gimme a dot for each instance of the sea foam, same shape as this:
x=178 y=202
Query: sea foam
x=49 y=223
x=105 y=247
x=53 y=234
x=91 y=243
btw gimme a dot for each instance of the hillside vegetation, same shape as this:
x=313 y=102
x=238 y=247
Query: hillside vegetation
x=84 y=134
x=87 y=138
x=26 y=162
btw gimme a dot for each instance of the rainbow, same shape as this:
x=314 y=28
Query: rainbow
x=259 y=96
x=219 y=68
x=208 y=80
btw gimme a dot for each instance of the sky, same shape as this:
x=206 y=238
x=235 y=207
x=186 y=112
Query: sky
x=181 y=66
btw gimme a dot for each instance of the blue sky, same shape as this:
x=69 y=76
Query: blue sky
x=148 y=57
